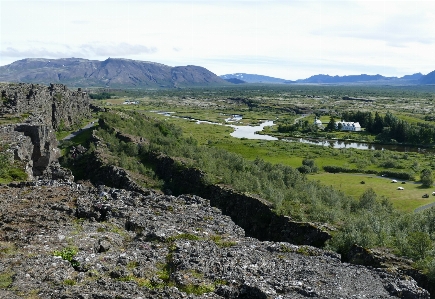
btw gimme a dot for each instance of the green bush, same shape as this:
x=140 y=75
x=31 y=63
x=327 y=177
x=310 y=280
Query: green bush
x=67 y=254
x=426 y=178
x=369 y=221
x=398 y=174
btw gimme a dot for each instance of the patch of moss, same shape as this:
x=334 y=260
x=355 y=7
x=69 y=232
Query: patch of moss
x=69 y=282
x=132 y=265
x=197 y=289
x=222 y=243
x=6 y=279
x=286 y=249
x=7 y=248
x=184 y=236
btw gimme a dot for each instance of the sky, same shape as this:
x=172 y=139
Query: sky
x=287 y=39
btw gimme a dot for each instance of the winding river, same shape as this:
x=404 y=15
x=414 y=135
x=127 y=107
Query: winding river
x=250 y=132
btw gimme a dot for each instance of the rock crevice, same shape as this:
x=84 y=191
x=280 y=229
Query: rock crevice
x=59 y=239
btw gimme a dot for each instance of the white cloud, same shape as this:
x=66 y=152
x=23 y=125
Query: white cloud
x=121 y=49
x=280 y=38
x=85 y=50
x=32 y=53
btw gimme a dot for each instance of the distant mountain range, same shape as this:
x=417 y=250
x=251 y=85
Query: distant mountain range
x=108 y=73
x=251 y=78
x=417 y=78
x=428 y=79
x=124 y=73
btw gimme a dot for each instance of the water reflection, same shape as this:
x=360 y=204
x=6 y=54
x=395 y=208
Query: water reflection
x=250 y=132
x=359 y=145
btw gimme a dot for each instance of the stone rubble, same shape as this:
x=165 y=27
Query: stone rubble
x=133 y=245
x=60 y=239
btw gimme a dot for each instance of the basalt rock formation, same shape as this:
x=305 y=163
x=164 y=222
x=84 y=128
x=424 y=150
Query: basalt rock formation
x=60 y=239
x=54 y=105
x=34 y=144
x=45 y=109
x=66 y=240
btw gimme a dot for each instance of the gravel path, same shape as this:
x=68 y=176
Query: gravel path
x=73 y=134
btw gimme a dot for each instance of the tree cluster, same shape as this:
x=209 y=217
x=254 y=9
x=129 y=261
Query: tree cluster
x=390 y=128
x=101 y=96
x=369 y=221
x=303 y=126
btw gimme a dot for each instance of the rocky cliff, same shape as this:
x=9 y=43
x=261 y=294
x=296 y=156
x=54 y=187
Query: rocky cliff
x=60 y=239
x=46 y=109
x=54 y=105
x=66 y=240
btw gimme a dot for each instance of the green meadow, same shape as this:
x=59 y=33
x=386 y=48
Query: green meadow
x=283 y=105
x=358 y=204
x=406 y=200
x=293 y=153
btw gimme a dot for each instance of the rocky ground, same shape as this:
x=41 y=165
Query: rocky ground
x=68 y=240
x=60 y=239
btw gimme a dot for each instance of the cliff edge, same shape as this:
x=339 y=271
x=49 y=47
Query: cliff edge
x=61 y=239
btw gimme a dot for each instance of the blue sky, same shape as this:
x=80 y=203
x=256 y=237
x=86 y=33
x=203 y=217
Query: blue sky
x=286 y=39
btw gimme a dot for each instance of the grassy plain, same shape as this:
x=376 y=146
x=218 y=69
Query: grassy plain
x=406 y=200
x=361 y=213
x=279 y=103
x=292 y=154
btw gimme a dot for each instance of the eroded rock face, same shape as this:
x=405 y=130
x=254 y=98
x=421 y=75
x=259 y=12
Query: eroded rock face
x=44 y=142
x=130 y=245
x=53 y=105
x=34 y=142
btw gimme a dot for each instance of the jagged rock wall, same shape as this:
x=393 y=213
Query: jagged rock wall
x=34 y=145
x=19 y=147
x=53 y=105
x=34 y=142
x=44 y=149
x=120 y=244
x=253 y=214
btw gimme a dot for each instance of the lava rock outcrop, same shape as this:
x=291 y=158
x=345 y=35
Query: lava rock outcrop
x=66 y=240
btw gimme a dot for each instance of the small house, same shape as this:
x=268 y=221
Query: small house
x=348 y=126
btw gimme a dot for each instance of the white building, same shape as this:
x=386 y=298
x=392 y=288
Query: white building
x=318 y=122
x=127 y=102
x=348 y=126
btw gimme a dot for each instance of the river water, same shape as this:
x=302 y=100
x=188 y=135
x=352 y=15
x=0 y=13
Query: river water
x=360 y=145
x=250 y=132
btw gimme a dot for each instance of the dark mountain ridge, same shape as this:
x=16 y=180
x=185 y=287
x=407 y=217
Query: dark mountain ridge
x=112 y=72
x=253 y=78
x=411 y=79
x=417 y=78
x=428 y=79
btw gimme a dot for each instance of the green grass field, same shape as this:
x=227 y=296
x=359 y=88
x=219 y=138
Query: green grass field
x=289 y=153
x=80 y=138
x=406 y=200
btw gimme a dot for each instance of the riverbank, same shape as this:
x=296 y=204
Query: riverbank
x=347 y=141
